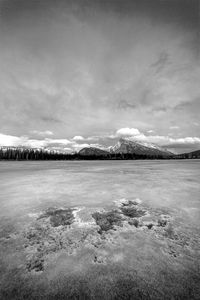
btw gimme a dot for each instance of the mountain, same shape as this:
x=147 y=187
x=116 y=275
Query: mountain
x=127 y=146
x=92 y=151
x=139 y=148
x=193 y=154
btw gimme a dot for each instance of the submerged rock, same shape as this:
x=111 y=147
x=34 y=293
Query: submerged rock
x=59 y=217
x=170 y=233
x=99 y=259
x=129 y=208
x=134 y=222
x=51 y=232
x=35 y=263
x=132 y=212
x=149 y=226
x=107 y=220
x=48 y=234
x=129 y=202
x=162 y=222
x=126 y=202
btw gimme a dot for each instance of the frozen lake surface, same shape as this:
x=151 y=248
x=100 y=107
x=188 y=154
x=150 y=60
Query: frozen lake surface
x=153 y=254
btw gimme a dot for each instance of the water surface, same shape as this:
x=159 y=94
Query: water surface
x=146 y=264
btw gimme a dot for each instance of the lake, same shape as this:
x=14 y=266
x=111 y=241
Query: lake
x=100 y=229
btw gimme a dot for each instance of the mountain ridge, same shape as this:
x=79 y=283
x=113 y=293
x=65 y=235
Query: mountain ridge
x=127 y=146
x=93 y=151
x=188 y=155
x=124 y=149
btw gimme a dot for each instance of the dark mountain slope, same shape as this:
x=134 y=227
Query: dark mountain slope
x=193 y=154
x=92 y=151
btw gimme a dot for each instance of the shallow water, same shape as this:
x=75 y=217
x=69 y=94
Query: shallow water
x=129 y=262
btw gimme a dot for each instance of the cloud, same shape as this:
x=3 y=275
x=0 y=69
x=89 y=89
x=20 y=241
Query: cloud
x=174 y=127
x=117 y=65
x=78 y=138
x=163 y=140
x=14 y=141
x=82 y=69
x=78 y=147
x=123 y=132
x=186 y=140
x=9 y=140
x=61 y=150
x=161 y=63
x=62 y=145
x=58 y=141
x=42 y=133
x=31 y=143
x=124 y=105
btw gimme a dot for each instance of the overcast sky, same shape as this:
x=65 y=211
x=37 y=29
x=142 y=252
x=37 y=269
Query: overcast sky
x=76 y=73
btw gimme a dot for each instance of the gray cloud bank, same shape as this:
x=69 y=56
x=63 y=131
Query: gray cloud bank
x=88 y=68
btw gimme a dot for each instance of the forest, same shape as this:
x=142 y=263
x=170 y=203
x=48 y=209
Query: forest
x=35 y=154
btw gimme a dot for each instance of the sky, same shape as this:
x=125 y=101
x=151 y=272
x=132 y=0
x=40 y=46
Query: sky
x=82 y=73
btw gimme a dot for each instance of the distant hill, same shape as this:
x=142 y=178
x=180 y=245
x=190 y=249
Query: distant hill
x=139 y=148
x=193 y=154
x=92 y=151
x=124 y=149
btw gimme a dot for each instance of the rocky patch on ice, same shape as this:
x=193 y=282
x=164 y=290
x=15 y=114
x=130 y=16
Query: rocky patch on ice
x=70 y=229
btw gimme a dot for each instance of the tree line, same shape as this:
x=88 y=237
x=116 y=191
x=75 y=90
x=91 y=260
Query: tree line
x=35 y=154
x=31 y=154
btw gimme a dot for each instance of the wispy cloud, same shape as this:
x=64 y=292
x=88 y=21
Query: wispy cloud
x=124 y=105
x=14 y=141
x=150 y=131
x=161 y=62
x=79 y=138
x=42 y=133
x=85 y=69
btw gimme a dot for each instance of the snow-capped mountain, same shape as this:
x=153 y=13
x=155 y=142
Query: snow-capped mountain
x=139 y=148
x=125 y=146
